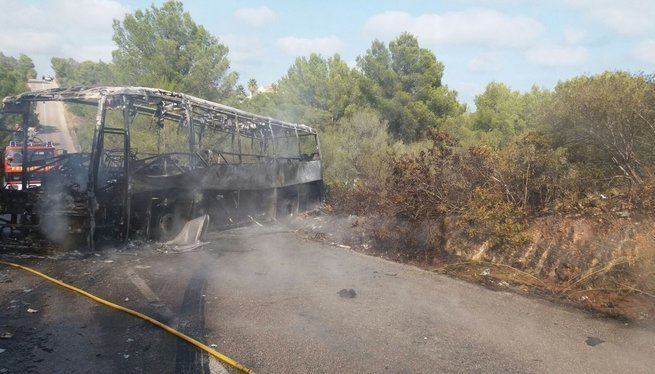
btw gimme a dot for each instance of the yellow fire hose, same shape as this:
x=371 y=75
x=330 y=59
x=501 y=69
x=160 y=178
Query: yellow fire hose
x=180 y=335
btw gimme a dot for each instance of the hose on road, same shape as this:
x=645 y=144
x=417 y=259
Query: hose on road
x=134 y=313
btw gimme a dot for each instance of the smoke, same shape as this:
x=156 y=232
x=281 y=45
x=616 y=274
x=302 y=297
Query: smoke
x=53 y=220
x=62 y=206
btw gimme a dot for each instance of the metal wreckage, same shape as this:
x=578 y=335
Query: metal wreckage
x=156 y=160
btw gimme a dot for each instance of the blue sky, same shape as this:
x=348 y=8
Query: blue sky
x=518 y=42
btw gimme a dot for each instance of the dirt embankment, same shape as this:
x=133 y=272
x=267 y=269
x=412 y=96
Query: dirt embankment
x=606 y=266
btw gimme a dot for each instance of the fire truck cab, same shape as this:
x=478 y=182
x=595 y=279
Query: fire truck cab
x=39 y=160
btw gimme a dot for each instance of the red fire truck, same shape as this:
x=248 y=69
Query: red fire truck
x=39 y=160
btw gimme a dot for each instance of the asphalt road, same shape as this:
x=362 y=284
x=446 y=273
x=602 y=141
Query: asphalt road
x=52 y=118
x=279 y=303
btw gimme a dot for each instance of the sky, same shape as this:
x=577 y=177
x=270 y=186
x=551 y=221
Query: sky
x=520 y=43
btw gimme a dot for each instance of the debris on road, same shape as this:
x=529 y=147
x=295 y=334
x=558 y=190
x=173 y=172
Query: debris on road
x=347 y=293
x=30 y=310
x=6 y=335
x=593 y=341
x=190 y=237
x=4 y=277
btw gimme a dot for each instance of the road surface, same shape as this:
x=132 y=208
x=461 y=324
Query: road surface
x=52 y=118
x=279 y=303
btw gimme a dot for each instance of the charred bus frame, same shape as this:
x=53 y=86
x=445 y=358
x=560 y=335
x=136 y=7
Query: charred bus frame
x=233 y=165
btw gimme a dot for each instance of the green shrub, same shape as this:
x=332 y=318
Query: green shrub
x=355 y=150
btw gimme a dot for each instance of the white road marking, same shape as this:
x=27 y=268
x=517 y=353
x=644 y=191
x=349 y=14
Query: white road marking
x=145 y=290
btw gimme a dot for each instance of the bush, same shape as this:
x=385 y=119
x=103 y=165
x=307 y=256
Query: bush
x=355 y=150
x=533 y=173
x=489 y=217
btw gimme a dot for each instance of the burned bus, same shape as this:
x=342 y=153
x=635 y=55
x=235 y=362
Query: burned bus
x=154 y=159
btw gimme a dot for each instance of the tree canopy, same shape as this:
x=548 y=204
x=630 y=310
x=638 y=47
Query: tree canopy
x=70 y=72
x=403 y=83
x=316 y=90
x=607 y=122
x=14 y=73
x=163 y=47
